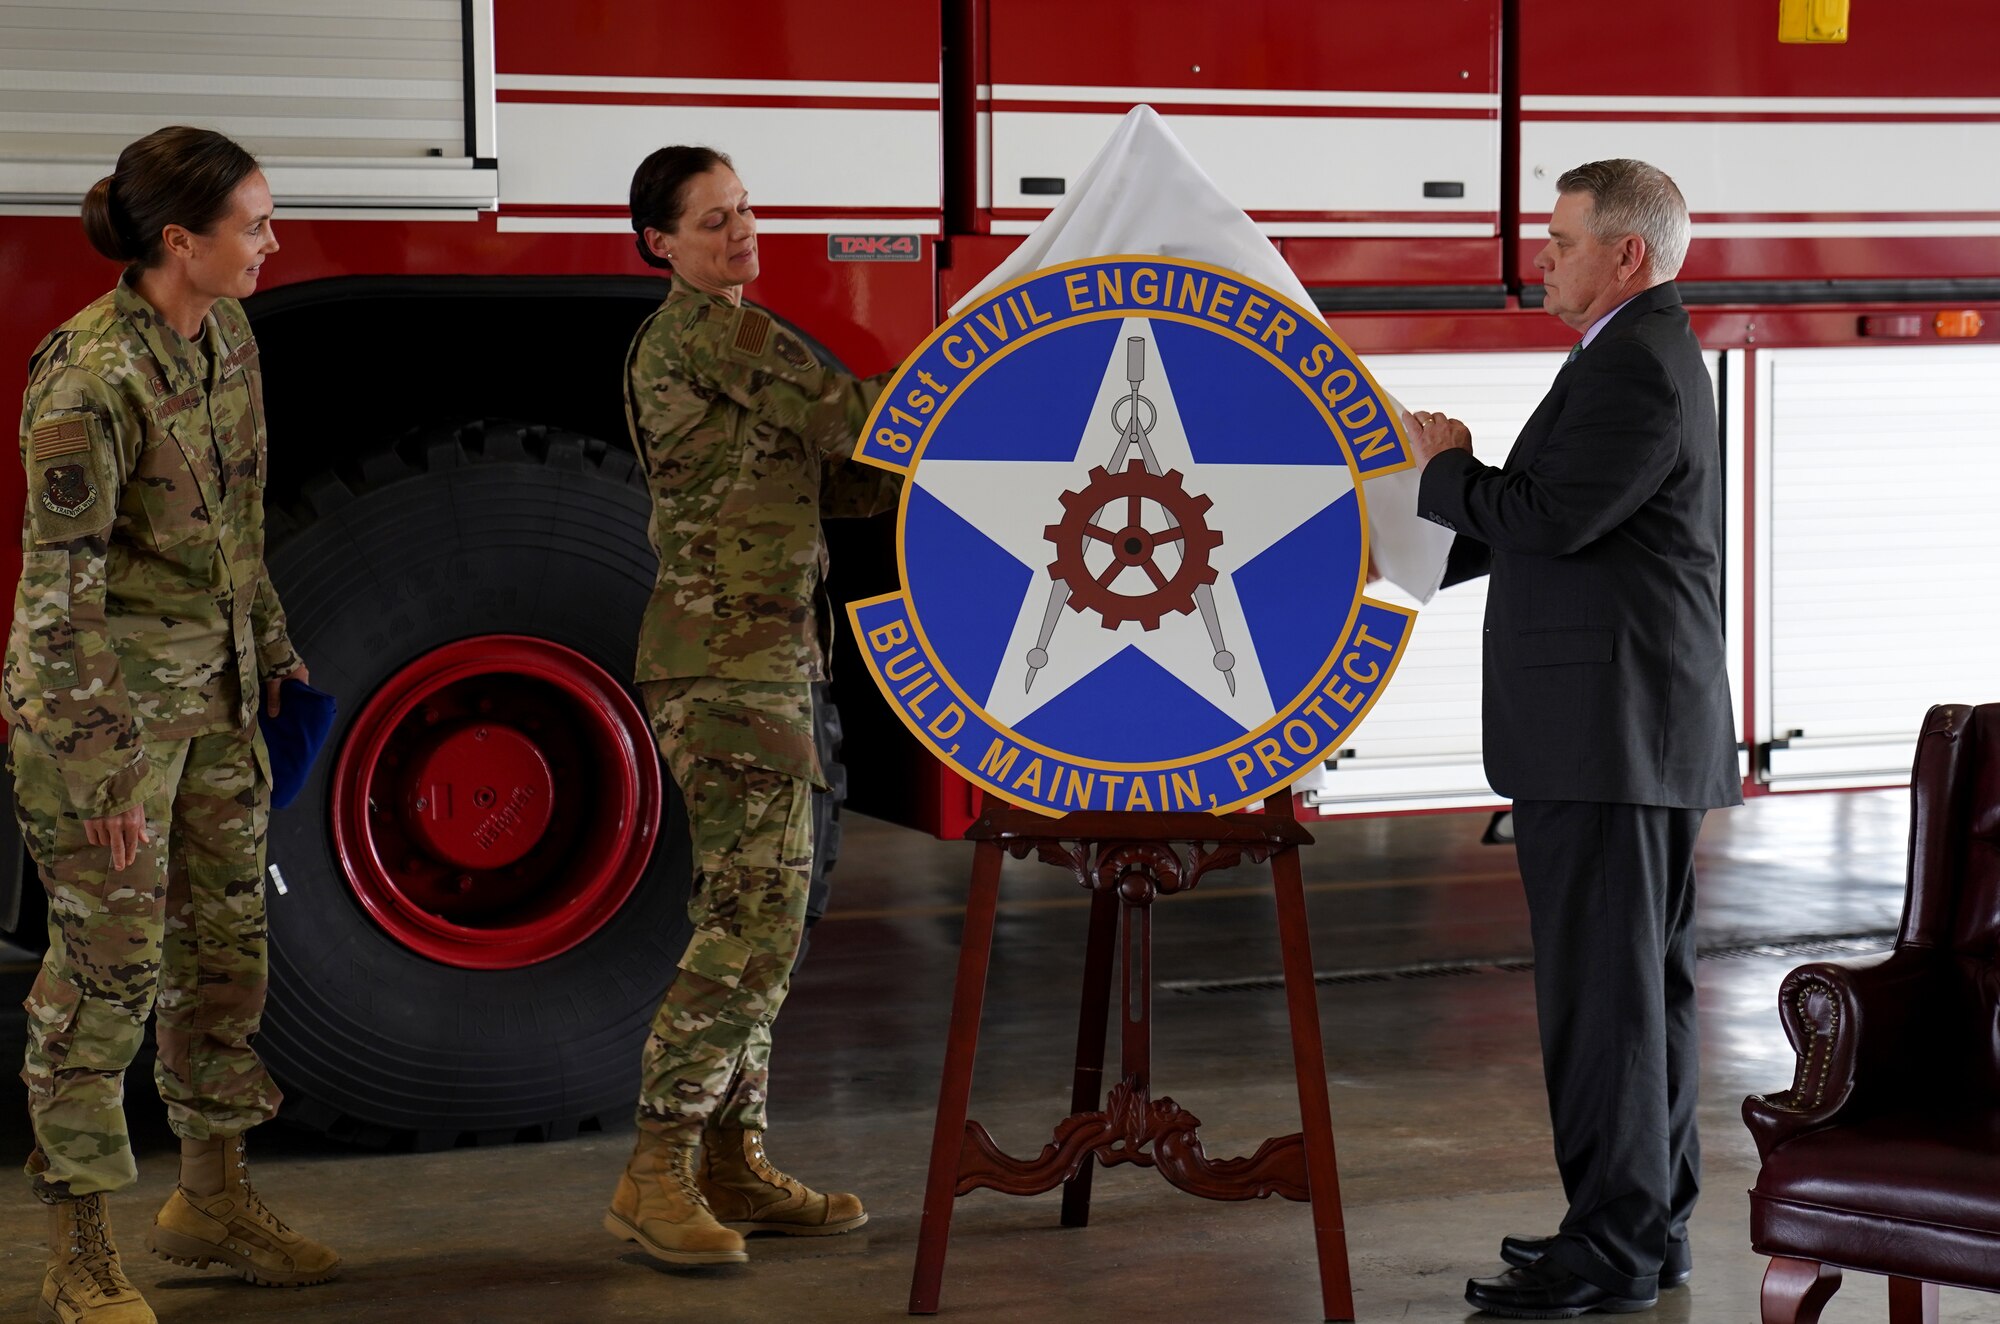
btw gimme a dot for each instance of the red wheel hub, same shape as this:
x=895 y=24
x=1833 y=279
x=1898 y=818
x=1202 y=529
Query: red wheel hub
x=496 y=801
x=481 y=797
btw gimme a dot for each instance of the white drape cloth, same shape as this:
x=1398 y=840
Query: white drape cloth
x=1143 y=193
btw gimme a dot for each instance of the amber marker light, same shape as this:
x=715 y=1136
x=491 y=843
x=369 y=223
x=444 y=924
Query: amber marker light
x=1959 y=323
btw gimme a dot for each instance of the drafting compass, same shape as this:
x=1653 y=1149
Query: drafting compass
x=1110 y=515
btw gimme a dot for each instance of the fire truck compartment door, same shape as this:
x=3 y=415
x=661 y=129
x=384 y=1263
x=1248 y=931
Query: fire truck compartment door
x=1321 y=120
x=384 y=103
x=1876 y=549
x=1420 y=747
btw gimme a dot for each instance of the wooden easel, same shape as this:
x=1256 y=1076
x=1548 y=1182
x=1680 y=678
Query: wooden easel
x=1126 y=860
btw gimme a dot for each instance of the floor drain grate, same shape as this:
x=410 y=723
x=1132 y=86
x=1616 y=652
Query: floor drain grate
x=1821 y=944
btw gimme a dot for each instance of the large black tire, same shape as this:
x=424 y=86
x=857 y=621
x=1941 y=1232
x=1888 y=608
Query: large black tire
x=484 y=529
x=487 y=529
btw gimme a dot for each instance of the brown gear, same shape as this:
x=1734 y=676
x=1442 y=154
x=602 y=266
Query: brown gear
x=1133 y=545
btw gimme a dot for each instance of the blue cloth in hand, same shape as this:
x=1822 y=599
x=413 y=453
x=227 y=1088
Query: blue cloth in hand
x=293 y=737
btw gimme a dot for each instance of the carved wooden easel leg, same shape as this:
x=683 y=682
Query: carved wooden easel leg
x=1309 y=1059
x=1912 y=1301
x=975 y=955
x=1795 y=1291
x=1087 y=1095
x=1135 y=1028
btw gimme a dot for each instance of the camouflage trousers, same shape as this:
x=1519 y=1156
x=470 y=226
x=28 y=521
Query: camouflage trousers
x=707 y=1058
x=180 y=931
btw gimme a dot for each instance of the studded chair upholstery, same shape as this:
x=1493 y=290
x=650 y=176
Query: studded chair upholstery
x=1884 y=1155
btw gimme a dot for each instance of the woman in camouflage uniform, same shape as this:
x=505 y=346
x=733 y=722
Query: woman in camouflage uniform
x=745 y=436
x=145 y=631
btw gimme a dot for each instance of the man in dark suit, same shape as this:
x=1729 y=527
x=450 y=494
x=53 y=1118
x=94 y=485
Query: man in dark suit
x=1607 y=723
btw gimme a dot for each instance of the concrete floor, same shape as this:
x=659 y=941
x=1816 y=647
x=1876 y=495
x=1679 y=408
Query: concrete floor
x=1437 y=1097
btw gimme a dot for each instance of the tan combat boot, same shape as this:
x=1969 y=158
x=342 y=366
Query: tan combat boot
x=215 y=1217
x=658 y=1206
x=745 y=1191
x=86 y=1284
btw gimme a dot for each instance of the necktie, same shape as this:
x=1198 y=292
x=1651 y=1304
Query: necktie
x=1574 y=350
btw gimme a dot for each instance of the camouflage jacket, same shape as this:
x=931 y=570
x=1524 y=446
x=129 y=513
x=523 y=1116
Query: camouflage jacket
x=144 y=611
x=745 y=437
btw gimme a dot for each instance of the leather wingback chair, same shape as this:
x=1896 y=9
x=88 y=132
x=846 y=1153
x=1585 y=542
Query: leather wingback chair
x=1884 y=1155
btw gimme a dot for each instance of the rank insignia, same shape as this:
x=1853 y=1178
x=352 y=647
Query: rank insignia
x=68 y=490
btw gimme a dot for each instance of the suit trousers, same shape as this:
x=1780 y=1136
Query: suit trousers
x=1610 y=891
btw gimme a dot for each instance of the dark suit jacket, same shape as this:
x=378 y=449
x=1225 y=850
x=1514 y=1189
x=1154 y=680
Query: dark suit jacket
x=1603 y=534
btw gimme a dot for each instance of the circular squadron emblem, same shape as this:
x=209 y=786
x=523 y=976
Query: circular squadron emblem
x=1133 y=540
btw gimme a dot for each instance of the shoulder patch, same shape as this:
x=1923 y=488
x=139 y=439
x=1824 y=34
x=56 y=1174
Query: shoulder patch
x=753 y=332
x=58 y=436
x=69 y=468
x=791 y=351
x=67 y=490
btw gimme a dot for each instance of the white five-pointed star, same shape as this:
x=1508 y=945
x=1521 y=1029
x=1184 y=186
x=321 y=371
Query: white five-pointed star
x=1014 y=502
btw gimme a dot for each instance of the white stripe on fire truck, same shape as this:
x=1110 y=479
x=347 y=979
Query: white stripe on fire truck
x=728 y=87
x=515 y=224
x=1246 y=96
x=1944 y=229
x=1752 y=106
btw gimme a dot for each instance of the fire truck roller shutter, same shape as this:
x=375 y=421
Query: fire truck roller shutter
x=478 y=900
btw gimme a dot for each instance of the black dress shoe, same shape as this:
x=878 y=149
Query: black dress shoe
x=1546 y=1290
x=1675 y=1270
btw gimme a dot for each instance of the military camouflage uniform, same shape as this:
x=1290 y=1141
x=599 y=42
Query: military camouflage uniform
x=745 y=438
x=142 y=625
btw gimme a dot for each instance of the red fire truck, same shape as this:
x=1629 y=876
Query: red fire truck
x=458 y=529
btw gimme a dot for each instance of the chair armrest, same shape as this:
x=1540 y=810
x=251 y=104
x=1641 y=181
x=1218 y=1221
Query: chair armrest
x=1850 y=1022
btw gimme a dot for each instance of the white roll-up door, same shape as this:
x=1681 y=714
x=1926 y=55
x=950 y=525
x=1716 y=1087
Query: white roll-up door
x=1419 y=747
x=361 y=103
x=1878 y=545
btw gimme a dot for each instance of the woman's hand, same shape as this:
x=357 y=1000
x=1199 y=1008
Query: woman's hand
x=123 y=833
x=275 y=684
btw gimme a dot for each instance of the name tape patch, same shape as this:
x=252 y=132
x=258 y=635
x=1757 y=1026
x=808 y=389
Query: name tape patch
x=240 y=357
x=180 y=404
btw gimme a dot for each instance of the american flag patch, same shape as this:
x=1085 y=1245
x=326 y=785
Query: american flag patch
x=753 y=331
x=64 y=436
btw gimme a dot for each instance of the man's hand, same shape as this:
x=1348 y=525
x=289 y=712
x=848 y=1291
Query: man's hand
x=1433 y=434
x=122 y=833
x=275 y=683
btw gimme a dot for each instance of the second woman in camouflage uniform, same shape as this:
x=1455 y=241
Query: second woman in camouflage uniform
x=745 y=436
x=145 y=634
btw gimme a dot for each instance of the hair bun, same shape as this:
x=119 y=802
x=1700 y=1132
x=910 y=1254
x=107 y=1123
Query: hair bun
x=100 y=223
